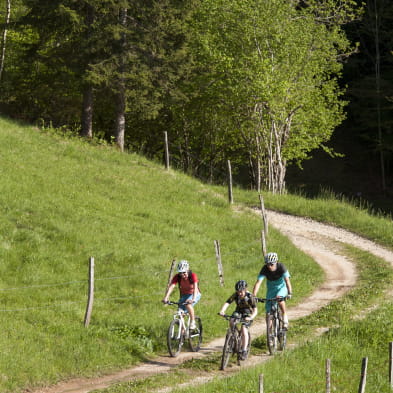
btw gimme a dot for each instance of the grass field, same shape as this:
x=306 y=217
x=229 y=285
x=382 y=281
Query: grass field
x=62 y=201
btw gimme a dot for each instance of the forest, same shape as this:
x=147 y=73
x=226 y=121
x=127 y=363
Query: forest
x=267 y=84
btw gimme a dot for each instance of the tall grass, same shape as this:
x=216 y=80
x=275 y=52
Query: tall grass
x=62 y=201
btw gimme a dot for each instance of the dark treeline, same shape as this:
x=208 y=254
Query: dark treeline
x=366 y=136
x=253 y=81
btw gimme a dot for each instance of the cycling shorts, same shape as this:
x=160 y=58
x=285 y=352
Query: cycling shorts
x=184 y=298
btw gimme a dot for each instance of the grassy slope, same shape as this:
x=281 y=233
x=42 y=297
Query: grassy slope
x=62 y=201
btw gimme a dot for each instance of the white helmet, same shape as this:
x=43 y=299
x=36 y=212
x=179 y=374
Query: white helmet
x=271 y=257
x=183 y=266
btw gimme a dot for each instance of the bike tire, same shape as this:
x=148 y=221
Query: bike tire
x=174 y=338
x=195 y=336
x=271 y=335
x=227 y=350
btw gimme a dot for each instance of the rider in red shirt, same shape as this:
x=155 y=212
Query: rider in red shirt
x=188 y=288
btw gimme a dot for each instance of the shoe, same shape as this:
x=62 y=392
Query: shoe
x=192 y=325
x=243 y=355
x=285 y=325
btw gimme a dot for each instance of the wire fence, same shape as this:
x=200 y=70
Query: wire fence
x=218 y=173
x=251 y=259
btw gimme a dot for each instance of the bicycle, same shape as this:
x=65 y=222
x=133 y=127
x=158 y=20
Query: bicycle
x=233 y=341
x=276 y=334
x=179 y=331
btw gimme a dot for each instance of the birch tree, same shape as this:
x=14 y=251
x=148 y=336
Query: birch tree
x=272 y=67
x=4 y=37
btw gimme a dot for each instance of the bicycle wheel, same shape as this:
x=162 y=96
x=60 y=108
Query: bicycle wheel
x=282 y=335
x=271 y=334
x=195 y=336
x=174 y=338
x=227 y=351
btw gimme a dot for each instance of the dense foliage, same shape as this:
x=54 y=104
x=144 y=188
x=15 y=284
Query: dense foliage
x=254 y=81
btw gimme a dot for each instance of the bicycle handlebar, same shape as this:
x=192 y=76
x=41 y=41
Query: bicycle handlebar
x=176 y=303
x=274 y=299
x=228 y=317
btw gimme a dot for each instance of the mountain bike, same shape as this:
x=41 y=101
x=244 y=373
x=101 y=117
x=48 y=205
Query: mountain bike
x=179 y=331
x=233 y=341
x=276 y=334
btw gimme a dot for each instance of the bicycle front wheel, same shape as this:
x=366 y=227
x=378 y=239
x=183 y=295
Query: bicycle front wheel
x=174 y=338
x=227 y=351
x=195 y=336
x=271 y=333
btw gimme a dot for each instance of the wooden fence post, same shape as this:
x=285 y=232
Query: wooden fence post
x=327 y=375
x=390 y=364
x=90 y=297
x=219 y=262
x=363 y=376
x=166 y=150
x=261 y=383
x=230 y=194
x=263 y=241
x=264 y=215
x=171 y=273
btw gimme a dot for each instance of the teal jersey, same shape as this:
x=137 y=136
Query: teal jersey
x=275 y=282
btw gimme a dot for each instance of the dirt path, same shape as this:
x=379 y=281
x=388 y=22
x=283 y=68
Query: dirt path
x=313 y=238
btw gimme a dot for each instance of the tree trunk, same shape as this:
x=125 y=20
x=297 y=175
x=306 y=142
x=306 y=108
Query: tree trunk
x=121 y=93
x=87 y=113
x=4 y=40
x=120 y=117
x=378 y=91
x=87 y=109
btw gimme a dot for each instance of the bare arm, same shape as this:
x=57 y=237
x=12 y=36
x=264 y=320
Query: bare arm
x=223 y=308
x=288 y=283
x=256 y=287
x=196 y=291
x=168 y=293
x=254 y=313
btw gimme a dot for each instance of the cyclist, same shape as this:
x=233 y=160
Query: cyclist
x=188 y=288
x=246 y=308
x=277 y=281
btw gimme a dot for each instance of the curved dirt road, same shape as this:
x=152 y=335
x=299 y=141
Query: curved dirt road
x=313 y=238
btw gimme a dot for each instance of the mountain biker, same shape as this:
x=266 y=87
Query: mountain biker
x=188 y=288
x=246 y=308
x=277 y=282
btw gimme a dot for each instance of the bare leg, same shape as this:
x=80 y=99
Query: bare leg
x=284 y=313
x=190 y=310
x=244 y=338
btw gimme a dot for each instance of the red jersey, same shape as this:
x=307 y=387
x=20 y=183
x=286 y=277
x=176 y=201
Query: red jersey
x=186 y=285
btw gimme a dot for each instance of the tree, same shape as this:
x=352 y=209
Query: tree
x=374 y=32
x=271 y=68
x=4 y=38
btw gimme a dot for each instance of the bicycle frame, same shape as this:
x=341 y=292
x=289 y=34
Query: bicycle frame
x=274 y=325
x=185 y=326
x=234 y=340
x=179 y=331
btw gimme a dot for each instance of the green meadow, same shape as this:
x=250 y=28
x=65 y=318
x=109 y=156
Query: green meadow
x=64 y=200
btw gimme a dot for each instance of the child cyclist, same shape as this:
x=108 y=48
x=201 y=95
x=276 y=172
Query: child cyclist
x=277 y=281
x=245 y=308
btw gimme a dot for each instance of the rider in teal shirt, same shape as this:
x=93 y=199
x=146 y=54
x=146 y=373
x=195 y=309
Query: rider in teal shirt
x=277 y=282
